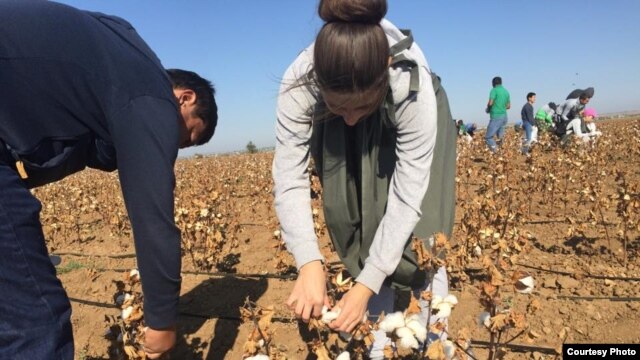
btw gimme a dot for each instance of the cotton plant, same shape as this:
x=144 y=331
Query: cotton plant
x=128 y=328
x=408 y=329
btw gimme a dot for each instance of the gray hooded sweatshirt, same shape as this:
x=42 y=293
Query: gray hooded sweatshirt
x=416 y=125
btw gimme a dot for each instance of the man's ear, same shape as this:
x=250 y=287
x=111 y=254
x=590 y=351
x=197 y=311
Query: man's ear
x=187 y=97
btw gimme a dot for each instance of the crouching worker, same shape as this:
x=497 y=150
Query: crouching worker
x=364 y=104
x=81 y=89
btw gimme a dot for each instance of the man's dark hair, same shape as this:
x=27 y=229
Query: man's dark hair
x=206 y=108
x=530 y=95
x=584 y=96
x=496 y=81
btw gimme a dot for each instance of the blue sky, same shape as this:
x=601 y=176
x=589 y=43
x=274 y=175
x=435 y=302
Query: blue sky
x=548 y=47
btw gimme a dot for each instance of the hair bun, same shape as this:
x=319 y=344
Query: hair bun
x=357 y=11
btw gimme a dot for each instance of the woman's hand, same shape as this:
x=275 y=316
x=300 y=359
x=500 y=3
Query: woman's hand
x=353 y=307
x=309 y=293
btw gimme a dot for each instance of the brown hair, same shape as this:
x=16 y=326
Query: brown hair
x=351 y=50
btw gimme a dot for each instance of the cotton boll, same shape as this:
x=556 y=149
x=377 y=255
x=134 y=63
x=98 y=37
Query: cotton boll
x=261 y=342
x=484 y=319
x=435 y=301
x=449 y=349
x=324 y=309
x=258 y=357
x=126 y=312
x=329 y=316
x=451 y=299
x=477 y=251
x=444 y=310
x=525 y=285
x=415 y=317
x=408 y=342
x=419 y=330
x=344 y=356
x=392 y=322
x=134 y=274
x=403 y=332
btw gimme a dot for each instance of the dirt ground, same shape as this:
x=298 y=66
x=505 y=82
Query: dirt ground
x=85 y=222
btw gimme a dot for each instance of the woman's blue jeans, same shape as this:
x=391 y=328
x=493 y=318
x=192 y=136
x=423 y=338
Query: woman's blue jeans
x=34 y=309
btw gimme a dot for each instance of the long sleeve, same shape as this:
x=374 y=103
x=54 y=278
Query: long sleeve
x=145 y=136
x=416 y=134
x=290 y=164
x=527 y=113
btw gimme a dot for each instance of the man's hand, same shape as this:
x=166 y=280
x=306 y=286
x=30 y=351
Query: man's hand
x=158 y=342
x=309 y=293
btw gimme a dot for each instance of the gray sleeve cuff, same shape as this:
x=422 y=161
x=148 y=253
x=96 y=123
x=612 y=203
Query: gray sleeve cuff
x=306 y=252
x=371 y=277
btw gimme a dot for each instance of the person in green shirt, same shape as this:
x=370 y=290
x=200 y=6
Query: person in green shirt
x=499 y=103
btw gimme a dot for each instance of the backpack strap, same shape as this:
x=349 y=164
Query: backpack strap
x=397 y=57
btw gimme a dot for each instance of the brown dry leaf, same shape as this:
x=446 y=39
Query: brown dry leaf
x=321 y=351
x=518 y=274
x=266 y=314
x=245 y=314
x=436 y=351
x=251 y=347
x=496 y=277
x=316 y=324
x=423 y=255
x=333 y=339
x=533 y=306
x=342 y=284
x=414 y=306
x=441 y=240
x=388 y=352
x=498 y=322
x=489 y=289
x=136 y=314
x=131 y=352
x=518 y=320
x=437 y=327
x=426 y=295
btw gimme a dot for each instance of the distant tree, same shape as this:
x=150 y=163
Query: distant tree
x=251 y=148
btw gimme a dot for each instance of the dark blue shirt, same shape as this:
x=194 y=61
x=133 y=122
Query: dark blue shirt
x=527 y=113
x=83 y=89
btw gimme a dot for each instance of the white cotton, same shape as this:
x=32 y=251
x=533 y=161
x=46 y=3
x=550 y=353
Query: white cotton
x=329 y=316
x=419 y=330
x=344 y=356
x=403 y=332
x=258 y=357
x=134 y=274
x=444 y=310
x=451 y=299
x=408 y=342
x=324 y=309
x=261 y=342
x=435 y=301
x=449 y=349
x=126 y=312
x=484 y=319
x=392 y=322
x=527 y=285
x=477 y=251
x=414 y=317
